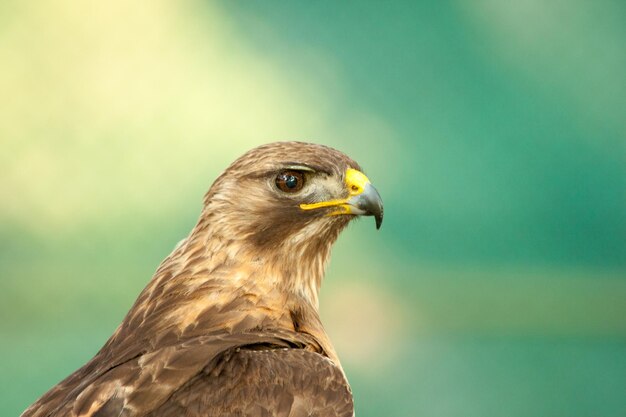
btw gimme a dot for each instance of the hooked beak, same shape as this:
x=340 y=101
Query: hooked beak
x=363 y=199
x=367 y=203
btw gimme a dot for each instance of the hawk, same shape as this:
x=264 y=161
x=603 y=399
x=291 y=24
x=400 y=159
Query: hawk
x=229 y=323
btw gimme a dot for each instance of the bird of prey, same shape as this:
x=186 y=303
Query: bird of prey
x=229 y=324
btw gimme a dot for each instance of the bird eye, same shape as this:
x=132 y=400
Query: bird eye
x=290 y=181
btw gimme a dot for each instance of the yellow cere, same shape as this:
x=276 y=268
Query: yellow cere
x=355 y=181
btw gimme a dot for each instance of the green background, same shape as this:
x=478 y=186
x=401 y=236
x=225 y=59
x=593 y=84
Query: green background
x=495 y=132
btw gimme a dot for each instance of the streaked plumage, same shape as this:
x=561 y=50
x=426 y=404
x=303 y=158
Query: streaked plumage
x=229 y=324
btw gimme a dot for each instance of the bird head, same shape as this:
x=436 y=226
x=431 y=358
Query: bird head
x=284 y=204
x=291 y=192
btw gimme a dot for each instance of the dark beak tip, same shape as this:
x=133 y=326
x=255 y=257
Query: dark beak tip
x=379 y=221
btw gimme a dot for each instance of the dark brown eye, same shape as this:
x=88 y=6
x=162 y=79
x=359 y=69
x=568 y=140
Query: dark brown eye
x=290 y=181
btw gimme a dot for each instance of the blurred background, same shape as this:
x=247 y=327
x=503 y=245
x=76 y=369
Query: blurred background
x=495 y=132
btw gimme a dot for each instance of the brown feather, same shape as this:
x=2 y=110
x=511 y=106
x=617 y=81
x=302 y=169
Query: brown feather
x=229 y=324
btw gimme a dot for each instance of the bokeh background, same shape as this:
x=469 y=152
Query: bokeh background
x=495 y=132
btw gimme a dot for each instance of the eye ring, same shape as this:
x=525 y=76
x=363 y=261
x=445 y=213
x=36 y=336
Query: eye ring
x=290 y=181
